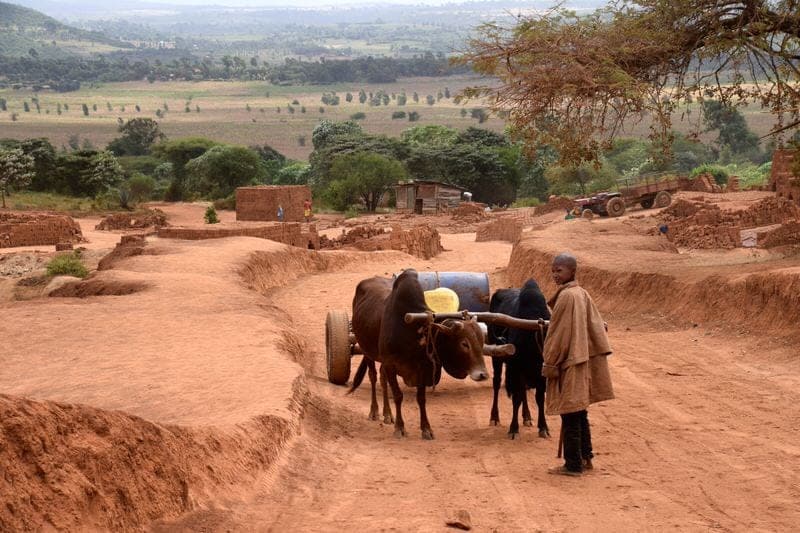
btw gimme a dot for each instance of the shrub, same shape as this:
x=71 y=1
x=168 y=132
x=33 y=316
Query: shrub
x=141 y=187
x=67 y=265
x=351 y=212
x=358 y=116
x=413 y=116
x=398 y=114
x=720 y=173
x=211 y=215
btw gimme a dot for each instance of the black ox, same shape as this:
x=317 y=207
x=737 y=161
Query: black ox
x=410 y=351
x=524 y=368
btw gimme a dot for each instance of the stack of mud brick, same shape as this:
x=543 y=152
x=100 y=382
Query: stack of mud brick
x=288 y=233
x=711 y=227
x=37 y=229
x=783 y=181
x=261 y=203
x=501 y=229
x=421 y=241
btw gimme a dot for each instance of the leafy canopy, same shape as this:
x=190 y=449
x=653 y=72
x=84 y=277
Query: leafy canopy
x=572 y=81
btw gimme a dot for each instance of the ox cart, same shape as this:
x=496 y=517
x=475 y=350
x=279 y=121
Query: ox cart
x=650 y=190
x=473 y=292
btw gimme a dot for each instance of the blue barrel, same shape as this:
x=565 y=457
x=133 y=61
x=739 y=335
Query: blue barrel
x=472 y=287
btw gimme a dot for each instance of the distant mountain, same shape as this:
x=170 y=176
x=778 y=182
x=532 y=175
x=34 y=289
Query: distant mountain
x=25 y=31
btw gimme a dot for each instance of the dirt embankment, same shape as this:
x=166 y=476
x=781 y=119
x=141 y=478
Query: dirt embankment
x=769 y=302
x=71 y=466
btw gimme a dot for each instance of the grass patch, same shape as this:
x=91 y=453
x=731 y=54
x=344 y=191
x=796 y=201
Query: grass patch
x=46 y=201
x=530 y=201
x=67 y=265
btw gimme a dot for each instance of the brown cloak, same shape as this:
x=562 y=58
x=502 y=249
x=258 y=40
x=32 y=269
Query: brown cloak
x=575 y=353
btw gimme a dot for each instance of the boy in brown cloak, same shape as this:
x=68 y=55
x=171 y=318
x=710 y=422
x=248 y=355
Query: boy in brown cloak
x=575 y=365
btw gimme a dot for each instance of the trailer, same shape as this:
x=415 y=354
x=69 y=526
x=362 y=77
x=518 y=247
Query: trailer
x=649 y=190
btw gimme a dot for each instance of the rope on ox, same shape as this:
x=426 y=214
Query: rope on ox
x=430 y=335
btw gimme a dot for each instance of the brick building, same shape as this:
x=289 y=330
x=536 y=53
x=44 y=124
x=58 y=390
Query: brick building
x=782 y=181
x=261 y=203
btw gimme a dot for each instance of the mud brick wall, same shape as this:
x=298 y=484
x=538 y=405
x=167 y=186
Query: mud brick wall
x=37 y=229
x=261 y=203
x=782 y=181
x=421 y=241
x=502 y=229
x=287 y=233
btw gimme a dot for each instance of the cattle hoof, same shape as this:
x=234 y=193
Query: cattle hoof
x=373 y=416
x=512 y=435
x=399 y=433
x=544 y=433
x=388 y=419
x=427 y=434
x=527 y=423
x=494 y=422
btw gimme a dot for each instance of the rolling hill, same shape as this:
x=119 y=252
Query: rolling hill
x=25 y=31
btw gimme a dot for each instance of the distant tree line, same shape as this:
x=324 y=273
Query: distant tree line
x=67 y=74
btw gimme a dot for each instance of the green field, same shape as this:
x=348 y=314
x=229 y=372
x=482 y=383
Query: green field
x=224 y=116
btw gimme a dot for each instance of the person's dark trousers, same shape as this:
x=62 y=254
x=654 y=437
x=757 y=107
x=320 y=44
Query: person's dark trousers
x=577 y=440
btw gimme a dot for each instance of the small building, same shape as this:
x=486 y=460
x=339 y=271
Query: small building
x=783 y=182
x=427 y=197
x=261 y=203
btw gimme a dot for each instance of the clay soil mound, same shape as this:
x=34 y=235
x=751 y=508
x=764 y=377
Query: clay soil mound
x=469 y=212
x=557 y=203
x=99 y=287
x=34 y=229
x=149 y=218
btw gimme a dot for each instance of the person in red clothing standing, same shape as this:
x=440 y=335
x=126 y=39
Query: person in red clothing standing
x=307 y=210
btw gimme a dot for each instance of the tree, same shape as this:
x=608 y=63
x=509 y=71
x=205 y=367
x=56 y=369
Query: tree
x=179 y=152
x=85 y=109
x=734 y=134
x=221 y=169
x=16 y=170
x=106 y=173
x=572 y=81
x=326 y=130
x=138 y=135
x=141 y=187
x=581 y=179
x=430 y=135
x=363 y=175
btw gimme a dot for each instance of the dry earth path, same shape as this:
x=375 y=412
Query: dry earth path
x=703 y=436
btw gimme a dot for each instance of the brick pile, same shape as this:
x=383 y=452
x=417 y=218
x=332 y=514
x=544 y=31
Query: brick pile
x=139 y=220
x=291 y=233
x=261 y=203
x=355 y=237
x=785 y=235
x=702 y=183
x=37 y=229
x=701 y=225
x=469 y=212
x=555 y=203
x=421 y=241
x=501 y=229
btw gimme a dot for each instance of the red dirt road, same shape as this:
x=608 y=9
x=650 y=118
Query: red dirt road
x=702 y=436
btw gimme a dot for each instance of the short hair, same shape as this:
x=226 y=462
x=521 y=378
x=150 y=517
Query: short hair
x=567 y=260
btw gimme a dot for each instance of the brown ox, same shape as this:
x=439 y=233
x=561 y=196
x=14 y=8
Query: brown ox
x=415 y=353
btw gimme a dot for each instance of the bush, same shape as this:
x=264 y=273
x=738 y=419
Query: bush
x=413 y=116
x=398 y=114
x=141 y=187
x=211 y=215
x=720 y=173
x=351 y=212
x=67 y=265
x=358 y=116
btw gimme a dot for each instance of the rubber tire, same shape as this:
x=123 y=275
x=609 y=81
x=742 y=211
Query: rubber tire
x=647 y=204
x=663 y=199
x=337 y=347
x=615 y=207
x=588 y=214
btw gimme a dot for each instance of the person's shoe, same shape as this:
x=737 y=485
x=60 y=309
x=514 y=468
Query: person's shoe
x=587 y=464
x=562 y=471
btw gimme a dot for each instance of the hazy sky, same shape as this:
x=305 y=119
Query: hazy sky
x=293 y=3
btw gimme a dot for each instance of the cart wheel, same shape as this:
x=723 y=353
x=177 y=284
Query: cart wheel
x=647 y=204
x=587 y=214
x=615 y=206
x=663 y=199
x=337 y=347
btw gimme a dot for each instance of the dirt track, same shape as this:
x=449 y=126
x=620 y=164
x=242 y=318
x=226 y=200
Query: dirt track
x=702 y=435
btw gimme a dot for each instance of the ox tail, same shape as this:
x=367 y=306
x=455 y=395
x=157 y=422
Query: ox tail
x=360 y=373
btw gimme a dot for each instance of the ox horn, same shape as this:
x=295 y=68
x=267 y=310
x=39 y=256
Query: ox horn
x=499 y=350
